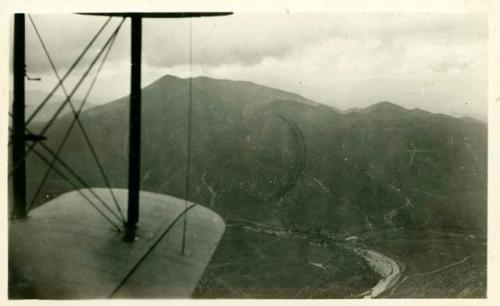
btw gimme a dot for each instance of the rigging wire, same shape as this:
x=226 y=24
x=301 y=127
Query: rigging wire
x=78 y=59
x=76 y=176
x=54 y=117
x=189 y=139
x=80 y=180
x=65 y=178
x=76 y=119
x=60 y=82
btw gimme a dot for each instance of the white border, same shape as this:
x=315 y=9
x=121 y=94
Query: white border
x=8 y=7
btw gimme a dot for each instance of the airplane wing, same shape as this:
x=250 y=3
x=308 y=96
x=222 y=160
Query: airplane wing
x=64 y=250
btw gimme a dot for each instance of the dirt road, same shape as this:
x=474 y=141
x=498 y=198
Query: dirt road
x=383 y=265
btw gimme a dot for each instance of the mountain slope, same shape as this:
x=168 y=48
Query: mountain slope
x=299 y=184
x=267 y=155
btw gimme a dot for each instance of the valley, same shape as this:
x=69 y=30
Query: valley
x=404 y=275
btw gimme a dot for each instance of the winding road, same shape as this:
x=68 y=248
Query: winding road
x=383 y=265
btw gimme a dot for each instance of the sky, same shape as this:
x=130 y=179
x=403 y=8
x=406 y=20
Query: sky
x=436 y=62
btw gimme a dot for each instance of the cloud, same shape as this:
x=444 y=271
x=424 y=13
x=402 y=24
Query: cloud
x=339 y=59
x=65 y=37
x=249 y=38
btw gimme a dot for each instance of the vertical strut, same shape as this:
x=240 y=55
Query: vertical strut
x=135 y=128
x=18 y=125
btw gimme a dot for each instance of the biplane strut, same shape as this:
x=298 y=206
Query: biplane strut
x=63 y=269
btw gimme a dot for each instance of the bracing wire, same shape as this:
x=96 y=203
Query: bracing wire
x=61 y=80
x=80 y=81
x=78 y=59
x=76 y=176
x=66 y=179
x=189 y=139
x=76 y=120
x=80 y=180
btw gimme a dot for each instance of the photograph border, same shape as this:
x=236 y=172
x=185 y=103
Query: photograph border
x=492 y=8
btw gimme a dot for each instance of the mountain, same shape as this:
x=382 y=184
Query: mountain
x=293 y=179
x=263 y=154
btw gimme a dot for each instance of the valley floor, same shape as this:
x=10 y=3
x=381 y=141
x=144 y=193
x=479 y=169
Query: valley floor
x=254 y=261
x=435 y=264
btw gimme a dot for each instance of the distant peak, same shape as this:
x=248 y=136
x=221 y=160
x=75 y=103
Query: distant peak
x=385 y=106
x=166 y=80
x=174 y=78
x=472 y=119
x=169 y=77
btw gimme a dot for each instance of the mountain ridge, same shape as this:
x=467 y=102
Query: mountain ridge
x=376 y=106
x=281 y=148
x=170 y=81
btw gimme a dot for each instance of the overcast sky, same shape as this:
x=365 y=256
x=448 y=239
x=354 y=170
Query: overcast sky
x=436 y=62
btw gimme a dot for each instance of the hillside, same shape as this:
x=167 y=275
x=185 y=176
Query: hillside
x=267 y=156
x=382 y=166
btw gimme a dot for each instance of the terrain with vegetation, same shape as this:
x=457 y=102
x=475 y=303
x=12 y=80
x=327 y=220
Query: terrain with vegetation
x=310 y=194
